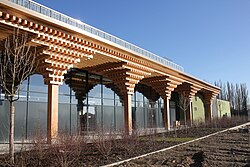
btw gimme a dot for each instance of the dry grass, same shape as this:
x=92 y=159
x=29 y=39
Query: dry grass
x=105 y=148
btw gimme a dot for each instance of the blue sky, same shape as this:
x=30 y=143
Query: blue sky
x=209 y=38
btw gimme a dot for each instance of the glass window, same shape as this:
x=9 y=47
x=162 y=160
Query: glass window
x=108 y=93
x=139 y=117
x=34 y=7
x=64 y=89
x=119 y=118
x=45 y=11
x=38 y=97
x=63 y=18
x=101 y=34
x=93 y=101
x=94 y=31
x=113 y=39
x=108 y=102
x=64 y=98
x=139 y=104
x=108 y=118
x=94 y=85
x=37 y=84
x=95 y=92
x=118 y=101
x=74 y=99
x=37 y=120
x=139 y=96
x=22 y=96
x=24 y=85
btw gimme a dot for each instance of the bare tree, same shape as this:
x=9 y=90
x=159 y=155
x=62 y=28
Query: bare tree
x=238 y=99
x=17 y=62
x=233 y=95
x=236 y=94
x=183 y=103
x=244 y=99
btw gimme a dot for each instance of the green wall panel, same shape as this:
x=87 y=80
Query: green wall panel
x=223 y=108
x=198 y=109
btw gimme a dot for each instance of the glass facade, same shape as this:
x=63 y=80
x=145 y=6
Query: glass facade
x=146 y=113
x=31 y=111
x=87 y=103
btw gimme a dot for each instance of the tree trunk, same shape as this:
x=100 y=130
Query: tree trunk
x=185 y=118
x=11 y=133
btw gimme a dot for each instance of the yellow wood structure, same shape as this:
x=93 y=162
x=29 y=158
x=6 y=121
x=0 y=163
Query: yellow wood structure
x=61 y=46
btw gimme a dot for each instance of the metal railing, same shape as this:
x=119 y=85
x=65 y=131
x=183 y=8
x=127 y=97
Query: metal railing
x=29 y=4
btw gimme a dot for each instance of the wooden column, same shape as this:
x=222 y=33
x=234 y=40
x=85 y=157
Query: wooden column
x=166 y=113
x=208 y=101
x=52 y=122
x=128 y=113
x=208 y=110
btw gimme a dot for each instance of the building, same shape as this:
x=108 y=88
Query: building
x=92 y=79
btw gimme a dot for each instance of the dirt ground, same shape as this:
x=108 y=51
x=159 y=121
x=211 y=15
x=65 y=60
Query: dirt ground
x=227 y=149
x=103 y=152
x=231 y=148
